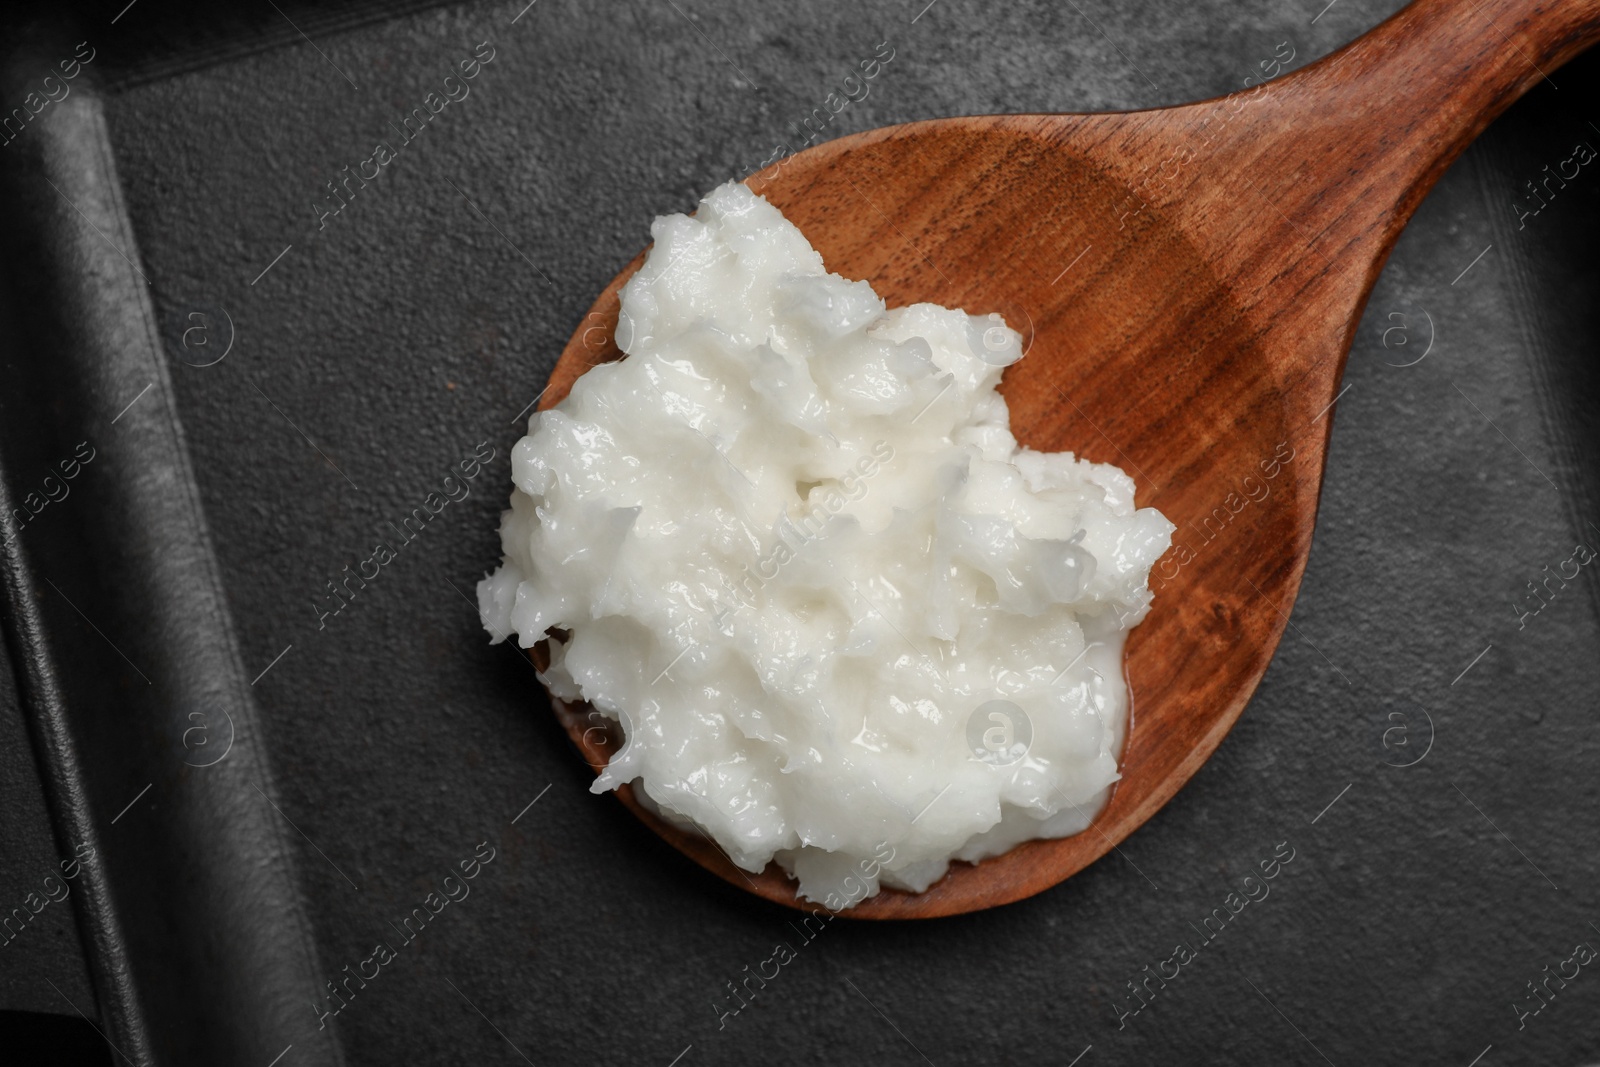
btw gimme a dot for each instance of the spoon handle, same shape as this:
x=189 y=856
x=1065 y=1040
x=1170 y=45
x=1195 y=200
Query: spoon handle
x=1399 y=104
x=1300 y=186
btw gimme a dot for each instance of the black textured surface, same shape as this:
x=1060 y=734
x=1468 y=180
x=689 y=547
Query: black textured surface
x=381 y=350
x=128 y=669
x=40 y=947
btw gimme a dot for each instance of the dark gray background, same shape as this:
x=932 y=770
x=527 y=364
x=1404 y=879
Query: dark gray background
x=413 y=327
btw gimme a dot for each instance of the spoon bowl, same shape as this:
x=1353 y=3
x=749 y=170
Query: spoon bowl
x=1187 y=282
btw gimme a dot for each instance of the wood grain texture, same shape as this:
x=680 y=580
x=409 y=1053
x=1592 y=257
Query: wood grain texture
x=1187 y=281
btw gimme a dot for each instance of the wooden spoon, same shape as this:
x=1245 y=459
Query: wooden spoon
x=1188 y=280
